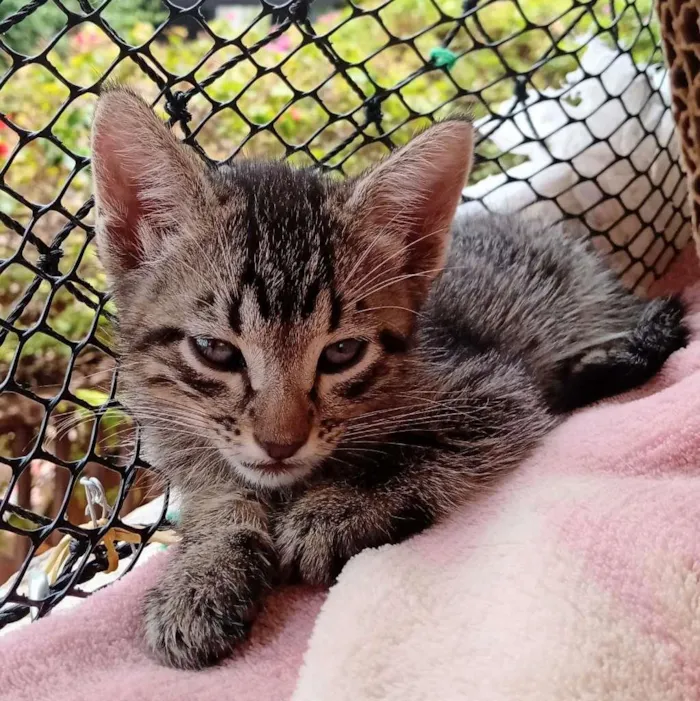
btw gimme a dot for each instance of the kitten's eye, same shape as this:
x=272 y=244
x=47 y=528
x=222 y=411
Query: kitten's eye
x=219 y=355
x=341 y=355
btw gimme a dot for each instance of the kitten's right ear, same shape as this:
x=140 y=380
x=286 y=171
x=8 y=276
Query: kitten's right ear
x=145 y=181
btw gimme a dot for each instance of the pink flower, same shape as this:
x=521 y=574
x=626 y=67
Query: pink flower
x=86 y=39
x=295 y=114
x=283 y=44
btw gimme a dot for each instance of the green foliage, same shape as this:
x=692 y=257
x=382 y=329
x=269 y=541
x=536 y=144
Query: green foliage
x=32 y=34
x=113 y=421
x=503 y=36
x=27 y=36
x=93 y=397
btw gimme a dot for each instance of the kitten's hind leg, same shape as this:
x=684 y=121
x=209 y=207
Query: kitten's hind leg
x=626 y=362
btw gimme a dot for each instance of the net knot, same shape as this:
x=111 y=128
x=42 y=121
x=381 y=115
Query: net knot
x=521 y=88
x=296 y=11
x=373 y=110
x=442 y=57
x=299 y=10
x=49 y=260
x=176 y=106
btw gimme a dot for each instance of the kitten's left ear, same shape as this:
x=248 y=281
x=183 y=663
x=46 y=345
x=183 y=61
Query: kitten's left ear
x=412 y=195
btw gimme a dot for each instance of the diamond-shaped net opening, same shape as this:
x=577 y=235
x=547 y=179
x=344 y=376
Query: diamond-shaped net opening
x=572 y=111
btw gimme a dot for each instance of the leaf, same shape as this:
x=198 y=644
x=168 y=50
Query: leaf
x=93 y=397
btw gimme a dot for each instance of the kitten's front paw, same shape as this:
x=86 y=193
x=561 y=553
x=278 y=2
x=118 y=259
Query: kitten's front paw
x=318 y=533
x=206 y=602
x=187 y=630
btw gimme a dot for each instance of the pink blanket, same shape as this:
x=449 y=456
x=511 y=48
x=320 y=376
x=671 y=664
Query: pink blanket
x=577 y=578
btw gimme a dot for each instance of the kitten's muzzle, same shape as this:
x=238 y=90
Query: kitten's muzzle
x=282 y=451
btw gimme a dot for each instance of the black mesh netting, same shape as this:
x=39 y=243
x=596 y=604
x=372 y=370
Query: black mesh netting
x=571 y=109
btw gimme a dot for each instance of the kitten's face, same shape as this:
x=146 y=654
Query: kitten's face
x=269 y=349
x=266 y=313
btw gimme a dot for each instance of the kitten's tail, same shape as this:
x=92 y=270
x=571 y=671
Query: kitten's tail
x=661 y=330
x=628 y=362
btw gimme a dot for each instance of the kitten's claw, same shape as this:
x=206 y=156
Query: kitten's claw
x=307 y=553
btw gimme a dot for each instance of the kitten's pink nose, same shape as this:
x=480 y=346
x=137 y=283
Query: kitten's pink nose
x=281 y=451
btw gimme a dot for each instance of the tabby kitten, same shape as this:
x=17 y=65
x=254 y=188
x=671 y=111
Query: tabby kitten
x=319 y=370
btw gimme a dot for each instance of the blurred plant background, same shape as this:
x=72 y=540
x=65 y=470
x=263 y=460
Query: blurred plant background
x=275 y=98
